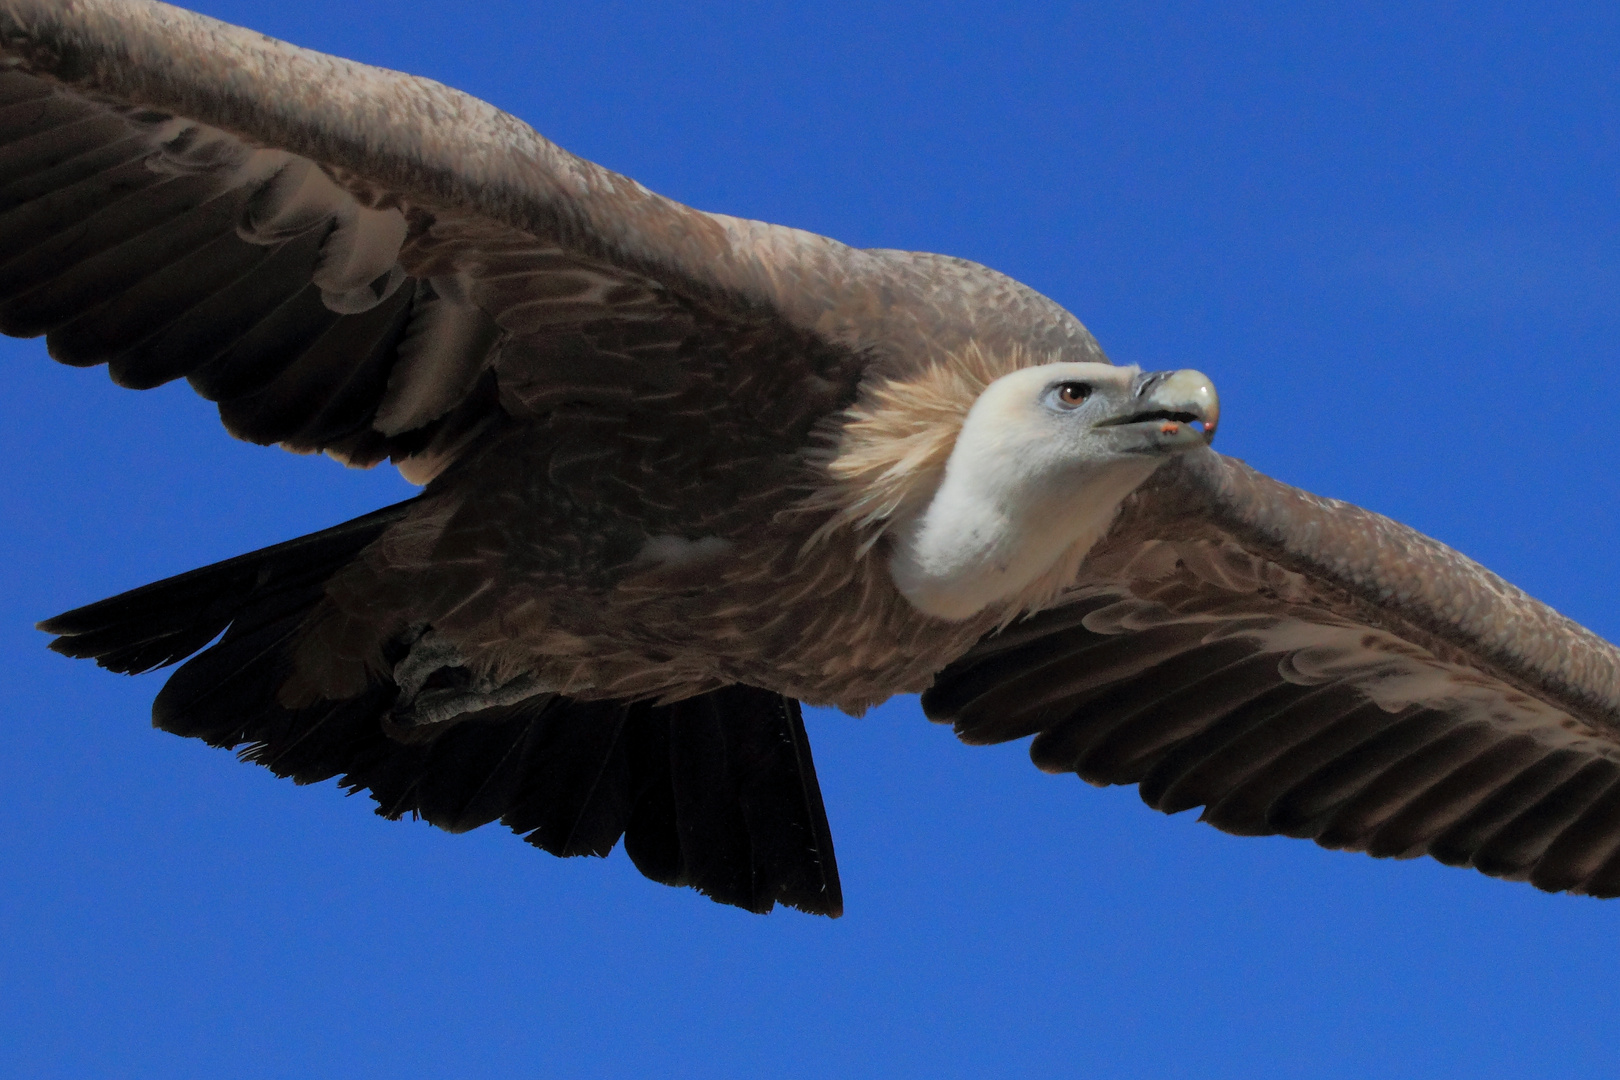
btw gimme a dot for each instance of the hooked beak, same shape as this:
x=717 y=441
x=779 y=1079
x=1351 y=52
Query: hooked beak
x=1165 y=406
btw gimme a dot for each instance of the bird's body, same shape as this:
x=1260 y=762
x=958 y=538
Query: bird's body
x=683 y=471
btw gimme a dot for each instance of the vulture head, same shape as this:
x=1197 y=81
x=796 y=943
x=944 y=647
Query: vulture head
x=1043 y=459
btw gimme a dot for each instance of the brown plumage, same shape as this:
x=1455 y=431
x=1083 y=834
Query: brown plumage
x=675 y=465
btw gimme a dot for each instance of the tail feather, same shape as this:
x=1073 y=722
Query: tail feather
x=168 y=620
x=717 y=792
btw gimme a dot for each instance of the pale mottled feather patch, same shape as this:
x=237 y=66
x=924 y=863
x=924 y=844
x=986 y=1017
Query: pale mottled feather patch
x=886 y=454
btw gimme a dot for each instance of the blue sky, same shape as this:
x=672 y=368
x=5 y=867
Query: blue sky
x=1389 y=234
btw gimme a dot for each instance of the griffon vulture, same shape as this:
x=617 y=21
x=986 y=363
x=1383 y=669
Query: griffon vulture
x=683 y=471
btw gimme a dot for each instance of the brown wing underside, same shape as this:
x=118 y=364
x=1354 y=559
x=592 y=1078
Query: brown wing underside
x=167 y=249
x=1216 y=665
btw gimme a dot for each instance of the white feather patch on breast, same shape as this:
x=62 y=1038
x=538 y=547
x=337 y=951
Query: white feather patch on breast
x=673 y=551
x=981 y=541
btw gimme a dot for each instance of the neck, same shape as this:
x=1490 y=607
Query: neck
x=990 y=533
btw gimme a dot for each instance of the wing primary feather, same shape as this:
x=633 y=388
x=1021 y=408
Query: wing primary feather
x=38 y=116
x=1407 y=832
x=261 y=337
x=1351 y=825
x=1078 y=740
x=331 y=388
x=1034 y=688
x=33 y=168
x=1514 y=849
x=1160 y=785
x=127 y=331
x=93 y=276
x=199 y=309
x=1213 y=767
x=1299 y=742
x=44 y=238
x=1305 y=808
x=1463 y=839
x=1578 y=853
x=1224 y=676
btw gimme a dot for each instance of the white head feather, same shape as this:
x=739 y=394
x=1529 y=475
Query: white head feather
x=1034 y=480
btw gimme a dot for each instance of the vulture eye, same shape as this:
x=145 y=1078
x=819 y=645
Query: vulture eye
x=1070 y=394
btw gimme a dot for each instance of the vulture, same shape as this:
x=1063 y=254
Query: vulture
x=682 y=472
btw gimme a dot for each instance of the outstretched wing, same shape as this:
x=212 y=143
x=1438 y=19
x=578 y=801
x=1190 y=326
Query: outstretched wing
x=1299 y=666
x=373 y=265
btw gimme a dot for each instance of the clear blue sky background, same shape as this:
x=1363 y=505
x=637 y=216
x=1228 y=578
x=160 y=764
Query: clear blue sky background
x=1390 y=235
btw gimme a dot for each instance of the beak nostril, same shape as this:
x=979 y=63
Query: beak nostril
x=1171 y=401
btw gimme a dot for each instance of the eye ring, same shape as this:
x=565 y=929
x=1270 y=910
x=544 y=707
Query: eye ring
x=1072 y=394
